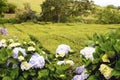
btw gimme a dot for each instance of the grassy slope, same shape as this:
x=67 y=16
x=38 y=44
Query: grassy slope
x=51 y=35
x=35 y=4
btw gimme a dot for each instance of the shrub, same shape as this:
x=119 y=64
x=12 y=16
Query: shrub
x=29 y=60
x=104 y=62
x=26 y=15
x=10 y=8
x=108 y=16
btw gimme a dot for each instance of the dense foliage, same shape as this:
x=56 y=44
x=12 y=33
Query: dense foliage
x=104 y=65
x=61 y=10
x=108 y=16
x=21 y=60
x=2 y=7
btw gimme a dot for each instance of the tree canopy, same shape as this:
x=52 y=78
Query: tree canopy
x=60 y=10
x=2 y=6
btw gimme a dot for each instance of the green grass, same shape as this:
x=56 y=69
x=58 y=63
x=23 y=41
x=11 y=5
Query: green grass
x=51 y=35
x=35 y=4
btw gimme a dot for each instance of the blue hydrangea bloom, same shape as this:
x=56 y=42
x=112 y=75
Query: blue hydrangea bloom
x=80 y=69
x=83 y=76
x=4 y=31
x=17 y=50
x=37 y=61
x=63 y=48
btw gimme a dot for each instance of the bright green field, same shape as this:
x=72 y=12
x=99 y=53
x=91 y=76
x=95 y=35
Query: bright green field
x=35 y=4
x=51 y=35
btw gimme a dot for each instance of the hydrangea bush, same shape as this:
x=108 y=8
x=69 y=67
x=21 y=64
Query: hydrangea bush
x=28 y=60
x=102 y=58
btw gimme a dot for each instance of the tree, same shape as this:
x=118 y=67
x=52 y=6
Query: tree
x=2 y=7
x=60 y=10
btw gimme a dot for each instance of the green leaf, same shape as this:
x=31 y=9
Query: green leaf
x=25 y=74
x=3 y=54
x=43 y=73
x=14 y=61
x=21 y=78
x=110 y=54
x=117 y=65
x=116 y=73
x=6 y=78
x=92 y=77
x=14 y=73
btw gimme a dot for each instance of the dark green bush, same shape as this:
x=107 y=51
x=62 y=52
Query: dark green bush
x=10 y=8
x=108 y=16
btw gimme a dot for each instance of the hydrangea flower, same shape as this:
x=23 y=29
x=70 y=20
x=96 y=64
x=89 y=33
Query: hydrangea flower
x=31 y=48
x=63 y=48
x=69 y=62
x=37 y=61
x=80 y=69
x=105 y=58
x=83 y=76
x=10 y=40
x=106 y=71
x=13 y=45
x=88 y=52
x=21 y=58
x=60 y=62
x=25 y=66
x=17 y=50
x=81 y=73
x=31 y=43
x=4 y=31
x=3 y=43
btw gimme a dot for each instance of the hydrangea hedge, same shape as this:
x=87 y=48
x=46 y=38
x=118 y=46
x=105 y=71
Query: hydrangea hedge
x=103 y=63
x=29 y=60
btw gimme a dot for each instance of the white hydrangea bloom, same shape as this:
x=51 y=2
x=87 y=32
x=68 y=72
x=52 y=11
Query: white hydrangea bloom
x=25 y=66
x=13 y=45
x=60 y=62
x=88 y=52
x=17 y=50
x=11 y=40
x=70 y=62
x=31 y=48
x=31 y=43
x=63 y=48
x=3 y=43
x=37 y=61
x=21 y=58
x=106 y=71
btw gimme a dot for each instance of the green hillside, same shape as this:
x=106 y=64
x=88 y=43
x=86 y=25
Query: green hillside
x=35 y=4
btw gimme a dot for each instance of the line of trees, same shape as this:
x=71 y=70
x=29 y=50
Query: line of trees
x=84 y=11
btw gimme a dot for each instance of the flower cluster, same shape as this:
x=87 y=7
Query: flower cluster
x=26 y=54
x=81 y=73
x=4 y=31
x=69 y=62
x=88 y=52
x=106 y=71
x=62 y=50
